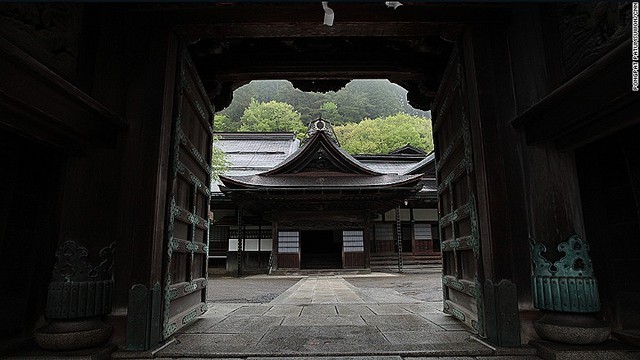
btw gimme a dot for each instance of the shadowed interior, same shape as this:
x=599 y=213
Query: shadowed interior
x=320 y=249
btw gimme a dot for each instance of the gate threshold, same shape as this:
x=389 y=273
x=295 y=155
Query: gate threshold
x=319 y=272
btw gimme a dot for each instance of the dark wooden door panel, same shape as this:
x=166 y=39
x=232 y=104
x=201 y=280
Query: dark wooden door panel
x=458 y=233
x=354 y=260
x=189 y=194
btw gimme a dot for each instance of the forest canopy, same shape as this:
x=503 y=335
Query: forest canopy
x=385 y=134
x=369 y=116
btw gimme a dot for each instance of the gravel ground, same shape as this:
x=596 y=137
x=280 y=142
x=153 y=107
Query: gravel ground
x=247 y=289
x=421 y=286
x=426 y=286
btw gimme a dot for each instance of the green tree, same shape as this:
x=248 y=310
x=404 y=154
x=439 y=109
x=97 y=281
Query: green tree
x=329 y=111
x=370 y=98
x=272 y=116
x=359 y=99
x=223 y=123
x=385 y=134
x=219 y=161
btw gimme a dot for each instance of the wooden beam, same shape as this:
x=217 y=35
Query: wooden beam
x=56 y=113
x=571 y=116
x=349 y=12
x=398 y=66
x=193 y=22
x=195 y=32
x=318 y=75
x=338 y=60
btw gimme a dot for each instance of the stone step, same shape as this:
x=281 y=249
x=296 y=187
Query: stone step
x=407 y=269
x=319 y=272
x=407 y=257
x=391 y=262
x=407 y=261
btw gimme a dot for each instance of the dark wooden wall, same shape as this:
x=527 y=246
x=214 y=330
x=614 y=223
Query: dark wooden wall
x=353 y=260
x=457 y=166
x=541 y=186
x=550 y=184
x=133 y=73
x=609 y=174
x=567 y=92
x=30 y=179
x=524 y=190
x=504 y=270
x=289 y=261
x=63 y=147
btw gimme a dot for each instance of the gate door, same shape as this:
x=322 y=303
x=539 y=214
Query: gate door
x=185 y=276
x=456 y=200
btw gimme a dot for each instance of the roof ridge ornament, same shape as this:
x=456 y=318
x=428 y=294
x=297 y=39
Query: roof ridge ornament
x=321 y=125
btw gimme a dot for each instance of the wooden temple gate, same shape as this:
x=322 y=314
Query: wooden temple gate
x=131 y=124
x=185 y=277
x=457 y=200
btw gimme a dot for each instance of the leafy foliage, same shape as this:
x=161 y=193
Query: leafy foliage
x=329 y=110
x=219 y=162
x=359 y=99
x=385 y=134
x=222 y=123
x=370 y=116
x=271 y=116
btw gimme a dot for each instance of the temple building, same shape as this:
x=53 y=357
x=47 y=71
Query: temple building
x=106 y=134
x=283 y=204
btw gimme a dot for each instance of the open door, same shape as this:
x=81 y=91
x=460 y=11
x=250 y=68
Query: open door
x=459 y=234
x=185 y=270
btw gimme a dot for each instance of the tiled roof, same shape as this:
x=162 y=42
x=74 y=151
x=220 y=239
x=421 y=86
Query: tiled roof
x=429 y=188
x=253 y=157
x=396 y=163
x=256 y=150
x=420 y=167
x=250 y=153
x=389 y=166
x=408 y=149
x=321 y=181
x=321 y=145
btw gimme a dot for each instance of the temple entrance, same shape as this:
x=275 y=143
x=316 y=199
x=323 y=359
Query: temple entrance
x=320 y=249
x=125 y=127
x=407 y=243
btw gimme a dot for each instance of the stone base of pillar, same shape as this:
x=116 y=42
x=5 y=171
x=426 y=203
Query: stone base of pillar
x=572 y=328
x=73 y=334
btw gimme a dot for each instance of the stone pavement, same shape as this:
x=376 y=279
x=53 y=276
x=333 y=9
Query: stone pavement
x=328 y=317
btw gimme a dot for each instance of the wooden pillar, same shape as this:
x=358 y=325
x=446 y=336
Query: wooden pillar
x=274 y=242
x=241 y=232
x=505 y=263
x=135 y=74
x=368 y=239
x=412 y=221
x=550 y=177
x=399 y=239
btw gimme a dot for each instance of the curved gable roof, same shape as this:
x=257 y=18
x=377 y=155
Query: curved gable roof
x=320 y=153
x=320 y=182
x=428 y=163
x=408 y=150
x=321 y=164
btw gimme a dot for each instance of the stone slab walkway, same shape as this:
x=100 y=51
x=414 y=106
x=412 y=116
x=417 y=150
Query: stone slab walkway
x=328 y=317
